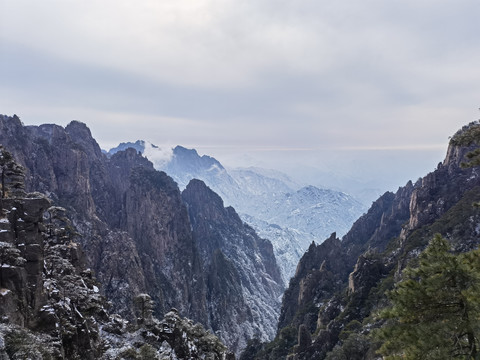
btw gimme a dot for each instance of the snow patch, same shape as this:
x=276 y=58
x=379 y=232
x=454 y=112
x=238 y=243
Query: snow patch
x=4 y=292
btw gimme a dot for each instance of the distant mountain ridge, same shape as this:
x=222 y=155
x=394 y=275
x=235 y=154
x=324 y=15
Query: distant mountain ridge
x=280 y=210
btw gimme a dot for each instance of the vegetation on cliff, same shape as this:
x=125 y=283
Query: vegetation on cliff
x=382 y=255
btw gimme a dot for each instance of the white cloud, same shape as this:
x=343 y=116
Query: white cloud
x=158 y=155
x=234 y=44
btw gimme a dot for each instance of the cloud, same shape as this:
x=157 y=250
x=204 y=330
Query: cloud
x=232 y=44
x=245 y=74
x=158 y=155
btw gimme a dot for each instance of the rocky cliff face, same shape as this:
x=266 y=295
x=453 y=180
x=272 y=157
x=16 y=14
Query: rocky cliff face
x=324 y=268
x=243 y=280
x=133 y=223
x=371 y=257
x=50 y=303
x=21 y=247
x=130 y=216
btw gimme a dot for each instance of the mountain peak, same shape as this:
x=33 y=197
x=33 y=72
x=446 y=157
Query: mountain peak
x=192 y=156
x=138 y=145
x=181 y=150
x=204 y=199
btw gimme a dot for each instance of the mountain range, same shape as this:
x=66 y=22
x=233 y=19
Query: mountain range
x=289 y=215
x=331 y=305
x=105 y=257
x=142 y=235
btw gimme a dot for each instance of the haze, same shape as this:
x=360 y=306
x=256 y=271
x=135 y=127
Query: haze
x=334 y=93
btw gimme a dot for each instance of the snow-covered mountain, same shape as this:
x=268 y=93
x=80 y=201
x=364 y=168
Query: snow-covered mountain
x=289 y=215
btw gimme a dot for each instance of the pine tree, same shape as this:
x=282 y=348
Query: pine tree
x=435 y=312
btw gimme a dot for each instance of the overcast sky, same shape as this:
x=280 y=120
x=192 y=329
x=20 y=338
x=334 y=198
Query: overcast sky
x=293 y=80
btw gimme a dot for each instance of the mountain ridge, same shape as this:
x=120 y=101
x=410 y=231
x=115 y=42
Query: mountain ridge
x=135 y=225
x=291 y=217
x=328 y=310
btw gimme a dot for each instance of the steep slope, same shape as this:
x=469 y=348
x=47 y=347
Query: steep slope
x=134 y=224
x=243 y=280
x=339 y=284
x=288 y=244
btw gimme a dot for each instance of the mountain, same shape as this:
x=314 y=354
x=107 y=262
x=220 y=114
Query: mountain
x=277 y=208
x=182 y=164
x=50 y=302
x=330 y=306
x=244 y=284
x=137 y=234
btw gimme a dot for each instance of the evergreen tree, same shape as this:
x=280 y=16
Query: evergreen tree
x=435 y=312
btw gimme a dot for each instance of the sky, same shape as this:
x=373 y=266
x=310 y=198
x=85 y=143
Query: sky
x=325 y=90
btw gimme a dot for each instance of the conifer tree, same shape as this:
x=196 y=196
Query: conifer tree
x=435 y=312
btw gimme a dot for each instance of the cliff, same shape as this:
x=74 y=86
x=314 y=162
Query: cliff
x=327 y=310
x=50 y=302
x=133 y=225
x=243 y=280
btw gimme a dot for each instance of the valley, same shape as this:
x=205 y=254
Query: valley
x=106 y=256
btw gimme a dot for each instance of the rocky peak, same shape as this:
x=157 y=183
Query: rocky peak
x=11 y=125
x=316 y=255
x=464 y=140
x=80 y=134
x=138 y=145
x=49 y=132
x=202 y=200
x=318 y=274
x=122 y=162
x=439 y=190
x=186 y=164
x=190 y=158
